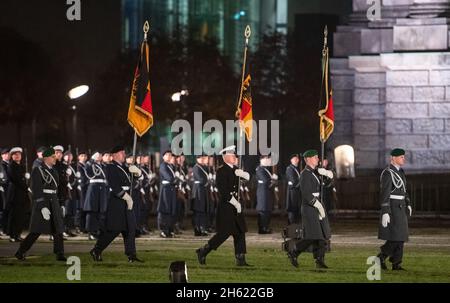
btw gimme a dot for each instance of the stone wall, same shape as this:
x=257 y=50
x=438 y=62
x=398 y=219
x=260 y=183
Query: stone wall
x=386 y=93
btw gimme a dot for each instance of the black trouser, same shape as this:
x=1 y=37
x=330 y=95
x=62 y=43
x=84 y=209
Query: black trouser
x=166 y=223
x=293 y=217
x=239 y=241
x=318 y=247
x=58 y=244
x=80 y=220
x=16 y=220
x=393 y=249
x=200 y=220
x=107 y=237
x=264 y=220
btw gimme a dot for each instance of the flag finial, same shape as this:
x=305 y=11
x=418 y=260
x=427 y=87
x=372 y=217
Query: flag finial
x=146 y=29
x=247 y=33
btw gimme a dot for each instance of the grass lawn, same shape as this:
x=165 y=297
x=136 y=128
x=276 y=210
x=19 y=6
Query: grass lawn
x=347 y=264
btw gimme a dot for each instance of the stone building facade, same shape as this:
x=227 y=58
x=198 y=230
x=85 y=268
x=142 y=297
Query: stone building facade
x=391 y=84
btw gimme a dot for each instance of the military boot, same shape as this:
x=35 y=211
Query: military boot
x=320 y=262
x=202 y=252
x=382 y=258
x=240 y=260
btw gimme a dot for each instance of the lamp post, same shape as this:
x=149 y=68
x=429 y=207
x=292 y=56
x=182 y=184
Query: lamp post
x=74 y=94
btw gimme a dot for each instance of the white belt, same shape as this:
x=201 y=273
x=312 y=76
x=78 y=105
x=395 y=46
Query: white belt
x=397 y=197
x=49 y=191
x=97 y=181
x=316 y=194
x=260 y=181
x=197 y=182
x=165 y=182
x=125 y=187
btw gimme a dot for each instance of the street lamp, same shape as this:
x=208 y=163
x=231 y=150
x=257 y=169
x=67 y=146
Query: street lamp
x=73 y=94
x=78 y=91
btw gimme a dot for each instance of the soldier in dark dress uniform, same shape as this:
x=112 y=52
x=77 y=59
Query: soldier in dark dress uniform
x=47 y=212
x=82 y=185
x=119 y=217
x=4 y=184
x=17 y=198
x=293 y=190
x=96 y=200
x=396 y=208
x=167 y=208
x=316 y=228
x=200 y=197
x=71 y=201
x=38 y=161
x=230 y=218
x=264 y=194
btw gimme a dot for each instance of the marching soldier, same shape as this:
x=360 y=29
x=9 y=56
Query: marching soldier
x=264 y=194
x=293 y=190
x=136 y=192
x=316 y=228
x=96 y=196
x=47 y=212
x=82 y=185
x=119 y=217
x=17 y=199
x=200 y=198
x=167 y=208
x=396 y=208
x=4 y=184
x=61 y=168
x=329 y=190
x=71 y=201
x=230 y=219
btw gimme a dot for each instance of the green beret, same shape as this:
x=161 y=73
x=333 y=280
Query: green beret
x=48 y=152
x=310 y=153
x=397 y=152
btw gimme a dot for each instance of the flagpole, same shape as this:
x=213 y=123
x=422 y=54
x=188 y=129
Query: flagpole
x=324 y=74
x=247 y=35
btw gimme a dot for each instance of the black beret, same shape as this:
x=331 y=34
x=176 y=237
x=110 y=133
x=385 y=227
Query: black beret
x=41 y=149
x=167 y=152
x=294 y=155
x=48 y=152
x=4 y=150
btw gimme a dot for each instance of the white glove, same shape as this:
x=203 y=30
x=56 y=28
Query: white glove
x=319 y=207
x=274 y=177
x=210 y=176
x=236 y=204
x=177 y=174
x=325 y=172
x=129 y=201
x=142 y=191
x=181 y=177
x=77 y=174
x=243 y=174
x=135 y=170
x=63 y=209
x=188 y=187
x=3 y=190
x=141 y=177
x=410 y=210
x=68 y=171
x=79 y=187
x=385 y=220
x=69 y=186
x=45 y=213
x=152 y=175
x=27 y=176
x=29 y=190
x=214 y=176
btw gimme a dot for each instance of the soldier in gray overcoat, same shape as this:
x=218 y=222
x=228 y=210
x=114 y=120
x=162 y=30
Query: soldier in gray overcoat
x=395 y=210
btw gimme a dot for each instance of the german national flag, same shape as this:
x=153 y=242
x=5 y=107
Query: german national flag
x=244 y=112
x=326 y=112
x=140 y=112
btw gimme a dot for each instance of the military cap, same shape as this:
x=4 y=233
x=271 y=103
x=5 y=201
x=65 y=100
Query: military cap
x=41 y=149
x=48 y=152
x=16 y=150
x=58 y=147
x=310 y=153
x=67 y=153
x=293 y=156
x=229 y=150
x=167 y=152
x=82 y=153
x=117 y=149
x=4 y=150
x=397 y=152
